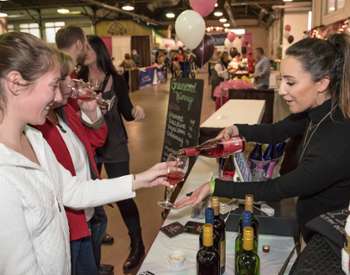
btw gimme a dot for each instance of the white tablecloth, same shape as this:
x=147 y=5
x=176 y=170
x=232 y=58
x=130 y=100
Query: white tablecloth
x=249 y=111
x=156 y=260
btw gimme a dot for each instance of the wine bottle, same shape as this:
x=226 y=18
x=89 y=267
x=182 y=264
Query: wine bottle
x=209 y=219
x=247 y=262
x=245 y=220
x=215 y=148
x=228 y=169
x=208 y=262
x=219 y=227
x=248 y=206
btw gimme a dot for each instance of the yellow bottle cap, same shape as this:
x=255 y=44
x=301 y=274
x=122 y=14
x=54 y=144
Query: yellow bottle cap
x=248 y=238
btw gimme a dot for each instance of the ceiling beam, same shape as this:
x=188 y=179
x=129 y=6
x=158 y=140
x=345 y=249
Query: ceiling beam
x=131 y=14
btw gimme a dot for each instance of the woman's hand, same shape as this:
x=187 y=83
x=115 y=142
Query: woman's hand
x=89 y=107
x=228 y=133
x=156 y=175
x=197 y=196
x=138 y=113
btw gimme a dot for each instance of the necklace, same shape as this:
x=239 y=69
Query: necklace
x=311 y=130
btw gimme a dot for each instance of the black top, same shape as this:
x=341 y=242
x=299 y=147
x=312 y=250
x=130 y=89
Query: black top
x=322 y=178
x=115 y=148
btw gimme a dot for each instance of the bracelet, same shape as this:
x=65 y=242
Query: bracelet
x=212 y=185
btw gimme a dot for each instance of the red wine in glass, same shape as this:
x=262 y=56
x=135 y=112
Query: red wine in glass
x=174 y=177
x=86 y=97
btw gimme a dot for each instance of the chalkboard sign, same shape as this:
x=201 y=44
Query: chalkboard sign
x=184 y=111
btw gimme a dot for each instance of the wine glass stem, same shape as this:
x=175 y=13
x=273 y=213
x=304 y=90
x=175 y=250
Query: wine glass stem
x=169 y=191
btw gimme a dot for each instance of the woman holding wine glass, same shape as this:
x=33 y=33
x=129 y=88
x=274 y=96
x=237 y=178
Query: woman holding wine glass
x=114 y=155
x=35 y=187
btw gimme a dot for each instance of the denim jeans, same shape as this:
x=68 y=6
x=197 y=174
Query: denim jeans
x=98 y=226
x=82 y=257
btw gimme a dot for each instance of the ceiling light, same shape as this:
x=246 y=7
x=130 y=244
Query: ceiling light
x=3 y=0
x=128 y=7
x=218 y=13
x=226 y=25
x=170 y=15
x=287 y=0
x=2 y=14
x=63 y=11
x=223 y=20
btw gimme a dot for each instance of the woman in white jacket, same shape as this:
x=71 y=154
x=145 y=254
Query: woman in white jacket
x=34 y=187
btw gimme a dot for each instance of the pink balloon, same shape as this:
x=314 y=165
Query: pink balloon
x=231 y=36
x=203 y=7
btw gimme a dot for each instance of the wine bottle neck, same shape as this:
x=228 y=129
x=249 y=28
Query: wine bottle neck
x=248 y=244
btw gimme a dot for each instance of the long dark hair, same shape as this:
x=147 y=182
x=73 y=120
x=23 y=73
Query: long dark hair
x=103 y=58
x=327 y=59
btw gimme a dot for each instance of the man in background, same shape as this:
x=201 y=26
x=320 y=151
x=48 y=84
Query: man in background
x=262 y=70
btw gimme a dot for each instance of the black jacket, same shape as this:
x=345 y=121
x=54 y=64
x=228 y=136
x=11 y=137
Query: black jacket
x=115 y=148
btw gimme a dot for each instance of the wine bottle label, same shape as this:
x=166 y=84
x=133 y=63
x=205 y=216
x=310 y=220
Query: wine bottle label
x=222 y=253
x=234 y=145
x=191 y=151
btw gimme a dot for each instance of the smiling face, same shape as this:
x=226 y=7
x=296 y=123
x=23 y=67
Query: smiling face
x=298 y=88
x=34 y=100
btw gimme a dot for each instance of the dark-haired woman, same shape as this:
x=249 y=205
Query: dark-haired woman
x=316 y=86
x=114 y=154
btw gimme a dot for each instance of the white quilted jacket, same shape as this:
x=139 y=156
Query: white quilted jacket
x=34 y=237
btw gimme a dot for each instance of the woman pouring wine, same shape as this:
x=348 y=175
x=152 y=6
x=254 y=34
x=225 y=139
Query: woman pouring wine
x=316 y=86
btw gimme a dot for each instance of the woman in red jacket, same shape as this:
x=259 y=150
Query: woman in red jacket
x=74 y=144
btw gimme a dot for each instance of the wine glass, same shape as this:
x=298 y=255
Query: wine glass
x=81 y=90
x=86 y=91
x=95 y=85
x=175 y=175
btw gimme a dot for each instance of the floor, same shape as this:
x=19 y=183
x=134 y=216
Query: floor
x=145 y=145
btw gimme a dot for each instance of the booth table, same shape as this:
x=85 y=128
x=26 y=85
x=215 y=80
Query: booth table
x=156 y=261
x=232 y=112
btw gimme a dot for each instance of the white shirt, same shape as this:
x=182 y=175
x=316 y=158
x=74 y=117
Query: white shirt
x=221 y=71
x=34 y=237
x=79 y=157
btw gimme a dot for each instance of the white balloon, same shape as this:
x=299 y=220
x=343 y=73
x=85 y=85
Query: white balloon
x=190 y=28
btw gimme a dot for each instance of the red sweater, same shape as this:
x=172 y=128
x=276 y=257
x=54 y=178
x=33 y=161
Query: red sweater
x=91 y=139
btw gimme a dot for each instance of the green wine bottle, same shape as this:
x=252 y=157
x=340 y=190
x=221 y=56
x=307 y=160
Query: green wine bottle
x=219 y=227
x=247 y=262
x=245 y=222
x=208 y=261
x=248 y=206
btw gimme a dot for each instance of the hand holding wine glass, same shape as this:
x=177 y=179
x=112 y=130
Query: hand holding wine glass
x=176 y=174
